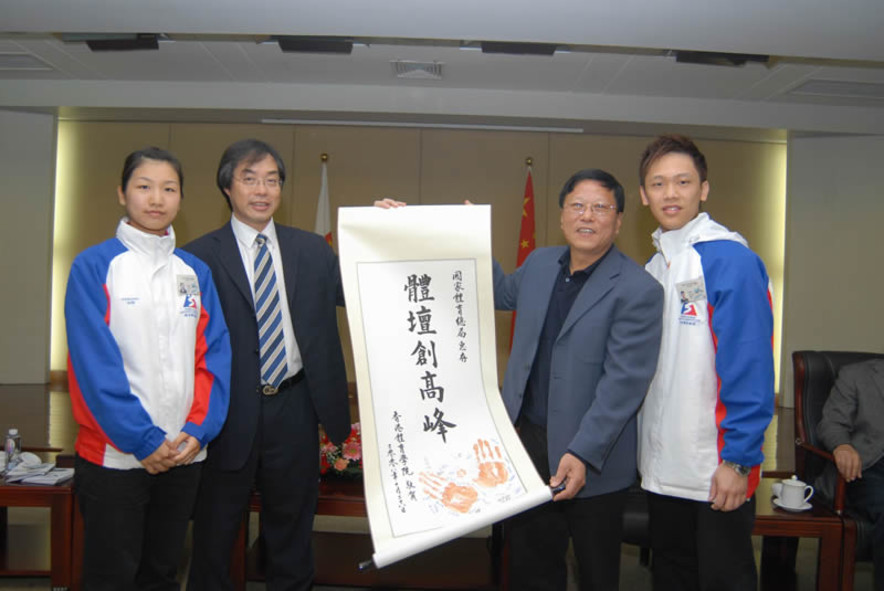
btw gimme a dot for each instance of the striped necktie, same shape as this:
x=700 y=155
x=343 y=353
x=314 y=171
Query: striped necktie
x=271 y=341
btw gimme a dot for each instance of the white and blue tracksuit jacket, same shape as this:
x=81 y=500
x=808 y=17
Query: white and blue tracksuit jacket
x=149 y=352
x=713 y=394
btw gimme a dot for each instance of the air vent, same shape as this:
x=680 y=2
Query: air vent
x=840 y=89
x=417 y=70
x=23 y=62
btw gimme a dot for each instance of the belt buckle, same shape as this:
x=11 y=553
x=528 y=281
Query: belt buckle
x=268 y=390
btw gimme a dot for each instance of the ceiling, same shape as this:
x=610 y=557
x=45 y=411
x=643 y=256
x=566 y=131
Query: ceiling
x=219 y=61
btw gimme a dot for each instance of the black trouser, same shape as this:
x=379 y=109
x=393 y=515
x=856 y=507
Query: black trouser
x=867 y=494
x=538 y=538
x=283 y=464
x=134 y=525
x=696 y=548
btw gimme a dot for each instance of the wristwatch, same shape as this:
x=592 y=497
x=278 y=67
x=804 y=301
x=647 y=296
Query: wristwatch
x=741 y=470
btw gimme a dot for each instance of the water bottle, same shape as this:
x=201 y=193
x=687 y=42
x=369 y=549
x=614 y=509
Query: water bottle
x=13 y=447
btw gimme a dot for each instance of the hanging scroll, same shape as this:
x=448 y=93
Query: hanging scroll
x=440 y=456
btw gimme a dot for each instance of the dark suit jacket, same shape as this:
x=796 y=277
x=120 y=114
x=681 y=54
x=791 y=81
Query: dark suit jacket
x=313 y=288
x=602 y=364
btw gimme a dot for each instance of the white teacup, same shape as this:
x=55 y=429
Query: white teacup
x=792 y=493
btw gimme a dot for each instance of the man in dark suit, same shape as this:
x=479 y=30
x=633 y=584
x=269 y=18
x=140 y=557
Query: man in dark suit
x=287 y=373
x=585 y=348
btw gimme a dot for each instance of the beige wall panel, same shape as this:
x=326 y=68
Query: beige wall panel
x=27 y=167
x=90 y=159
x=747 y=182
x=488 y=167
x=365 y=163
x=835 y=243
x=199 y=147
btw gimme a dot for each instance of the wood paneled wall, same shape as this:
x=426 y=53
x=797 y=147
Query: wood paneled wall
x=419 y=166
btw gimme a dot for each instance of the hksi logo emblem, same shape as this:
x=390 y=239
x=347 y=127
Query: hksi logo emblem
x=690 y=314
x=191 y=307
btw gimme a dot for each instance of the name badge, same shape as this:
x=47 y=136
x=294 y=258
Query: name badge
x=693 y=290
x=188 y=285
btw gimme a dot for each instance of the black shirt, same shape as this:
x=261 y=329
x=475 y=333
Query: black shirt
x=564 y=293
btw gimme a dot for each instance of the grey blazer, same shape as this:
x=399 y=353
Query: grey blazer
x=854 y=411
x=603 y=361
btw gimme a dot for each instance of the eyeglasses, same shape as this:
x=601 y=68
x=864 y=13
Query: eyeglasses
x=253 y=181
x=599 y=209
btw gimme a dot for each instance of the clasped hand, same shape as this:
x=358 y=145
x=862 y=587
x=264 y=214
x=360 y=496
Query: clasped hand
x=169 y=454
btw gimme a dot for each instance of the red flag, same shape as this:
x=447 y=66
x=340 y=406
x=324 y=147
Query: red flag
x=526 y=235
x=323 y=216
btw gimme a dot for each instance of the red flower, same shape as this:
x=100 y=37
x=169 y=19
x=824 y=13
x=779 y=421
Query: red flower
x=346 y=459
x=352 y=450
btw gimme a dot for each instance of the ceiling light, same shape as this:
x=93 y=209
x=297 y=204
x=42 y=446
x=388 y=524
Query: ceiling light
x=311 y=44
x=713 y=58
x=518 y=48
x=114 y=41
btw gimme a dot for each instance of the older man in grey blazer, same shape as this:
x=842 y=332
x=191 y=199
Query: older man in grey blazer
x=588 y=329
x=853 y=428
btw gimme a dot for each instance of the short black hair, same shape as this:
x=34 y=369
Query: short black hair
x=671 y=144
x=246 y=151
x=606 y=179
x=136 y=158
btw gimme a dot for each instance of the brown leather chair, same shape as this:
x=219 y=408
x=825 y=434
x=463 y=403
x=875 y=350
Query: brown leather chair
x=815 y=373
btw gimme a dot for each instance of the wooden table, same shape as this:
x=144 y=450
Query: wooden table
x=59 y=500
x=337 y=554
x=779 y=526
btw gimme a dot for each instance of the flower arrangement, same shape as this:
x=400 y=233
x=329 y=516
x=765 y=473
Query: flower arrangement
x=345 y=460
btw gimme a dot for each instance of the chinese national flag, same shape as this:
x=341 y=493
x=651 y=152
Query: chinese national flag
x=526 y=235
x=323 y=216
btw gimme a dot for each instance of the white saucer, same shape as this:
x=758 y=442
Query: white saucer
x=803 y=507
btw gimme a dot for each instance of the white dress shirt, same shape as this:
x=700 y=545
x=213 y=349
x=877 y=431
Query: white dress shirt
x=248 y=250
